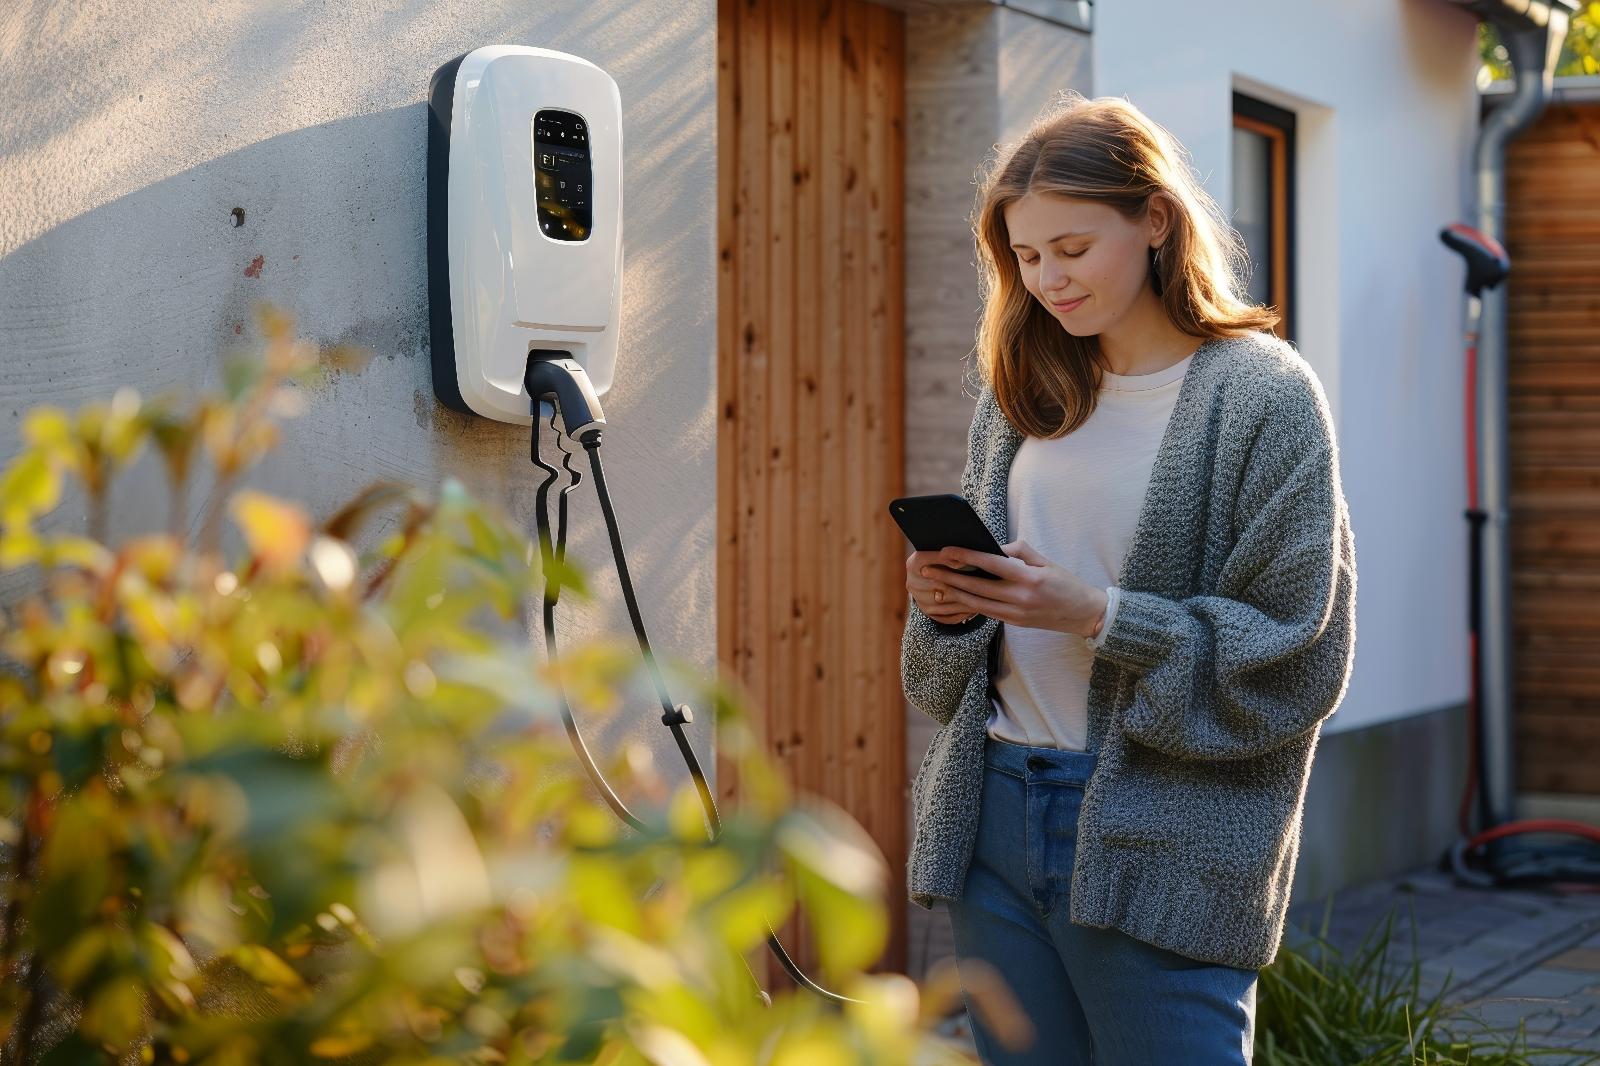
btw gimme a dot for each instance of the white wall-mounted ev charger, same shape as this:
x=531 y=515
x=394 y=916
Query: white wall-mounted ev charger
x=524 y=224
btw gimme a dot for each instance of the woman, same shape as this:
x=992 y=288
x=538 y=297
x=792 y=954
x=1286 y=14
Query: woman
x=1129 y=705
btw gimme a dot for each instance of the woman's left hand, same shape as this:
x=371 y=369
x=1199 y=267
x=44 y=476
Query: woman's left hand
x=1028 y=590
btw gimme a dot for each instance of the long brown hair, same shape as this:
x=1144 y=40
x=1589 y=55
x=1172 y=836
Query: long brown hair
x=1103 y=149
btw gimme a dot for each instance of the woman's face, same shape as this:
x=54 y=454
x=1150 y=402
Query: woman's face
x=1081 y=259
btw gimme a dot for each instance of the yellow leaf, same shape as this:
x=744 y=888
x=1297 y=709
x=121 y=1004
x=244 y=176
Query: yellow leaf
x=32 y=486
x=277 y=531
x=123 y=431
x=218 y=429
x=668 y=1047
x=591 y=827
x=19 y=546
x=338 y=1045
x=812 y=1048
x=115 y=1015
x=267 y=968
x=823 y=836
x=46 y=428
x=81 y=552
x=165 y=945
x=851 y=930
x=155 y=556
x=686 y=814
x=603 y=893
x=744 y=917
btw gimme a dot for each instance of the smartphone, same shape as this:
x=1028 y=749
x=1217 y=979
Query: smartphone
x=944 y=520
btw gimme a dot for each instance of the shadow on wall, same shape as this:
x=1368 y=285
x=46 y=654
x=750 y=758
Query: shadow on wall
x=326 y=221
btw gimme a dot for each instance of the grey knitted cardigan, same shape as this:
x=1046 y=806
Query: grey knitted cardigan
x=1232 y=643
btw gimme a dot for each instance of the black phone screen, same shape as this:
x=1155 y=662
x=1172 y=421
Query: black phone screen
x=944 y=520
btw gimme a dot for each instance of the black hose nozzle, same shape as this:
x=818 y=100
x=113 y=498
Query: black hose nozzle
x=1487 y=261
x=557 y=374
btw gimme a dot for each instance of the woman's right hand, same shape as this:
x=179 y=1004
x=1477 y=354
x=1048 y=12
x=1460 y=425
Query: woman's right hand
x=925 y=590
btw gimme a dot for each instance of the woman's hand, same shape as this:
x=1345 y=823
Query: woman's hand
x=932 y=596
x=1029 y=590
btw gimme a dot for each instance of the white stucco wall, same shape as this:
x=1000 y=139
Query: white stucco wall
x=130 y=130
x=1386 y=117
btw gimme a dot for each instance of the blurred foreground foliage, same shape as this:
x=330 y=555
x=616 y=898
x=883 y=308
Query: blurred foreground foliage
x=1579 y=54
x=308 y=804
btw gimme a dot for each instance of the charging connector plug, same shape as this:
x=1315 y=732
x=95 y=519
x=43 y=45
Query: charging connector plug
x=557 y=374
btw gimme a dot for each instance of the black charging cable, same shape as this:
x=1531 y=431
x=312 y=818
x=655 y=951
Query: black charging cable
x=555 y=376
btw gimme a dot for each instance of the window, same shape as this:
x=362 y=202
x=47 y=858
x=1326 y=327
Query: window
x=1263 y=201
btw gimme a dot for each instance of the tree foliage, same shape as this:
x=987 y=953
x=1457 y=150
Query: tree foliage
x=1580 y=52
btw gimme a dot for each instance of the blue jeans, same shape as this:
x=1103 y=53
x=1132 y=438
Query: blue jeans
x=1090 y=995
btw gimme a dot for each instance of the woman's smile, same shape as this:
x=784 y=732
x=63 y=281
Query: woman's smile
x=1069 y=305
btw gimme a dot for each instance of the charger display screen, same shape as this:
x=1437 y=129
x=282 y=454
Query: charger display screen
x=563 y=178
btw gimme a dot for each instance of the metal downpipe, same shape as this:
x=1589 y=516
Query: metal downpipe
x=1533 y=34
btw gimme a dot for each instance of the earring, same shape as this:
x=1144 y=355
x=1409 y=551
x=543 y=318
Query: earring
x=1156 y=258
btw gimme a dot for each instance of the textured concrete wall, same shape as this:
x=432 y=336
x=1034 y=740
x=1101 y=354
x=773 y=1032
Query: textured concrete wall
x=1381 y=799
x=129 y=131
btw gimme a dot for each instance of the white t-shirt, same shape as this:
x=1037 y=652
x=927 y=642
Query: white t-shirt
x=1076 y=500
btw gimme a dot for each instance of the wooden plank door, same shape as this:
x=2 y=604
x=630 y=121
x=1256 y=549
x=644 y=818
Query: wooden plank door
x=1553 y=237
x=810 y=446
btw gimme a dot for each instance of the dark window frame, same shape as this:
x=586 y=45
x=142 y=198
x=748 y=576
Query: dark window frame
x=1279 y=124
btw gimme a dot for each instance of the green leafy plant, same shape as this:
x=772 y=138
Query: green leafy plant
x=309 y=798
x=1317 y=1006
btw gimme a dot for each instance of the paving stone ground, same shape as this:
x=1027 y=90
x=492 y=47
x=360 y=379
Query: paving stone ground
x=1494 y=957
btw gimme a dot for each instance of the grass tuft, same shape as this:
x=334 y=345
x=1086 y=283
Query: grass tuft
x=1317 y=1007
